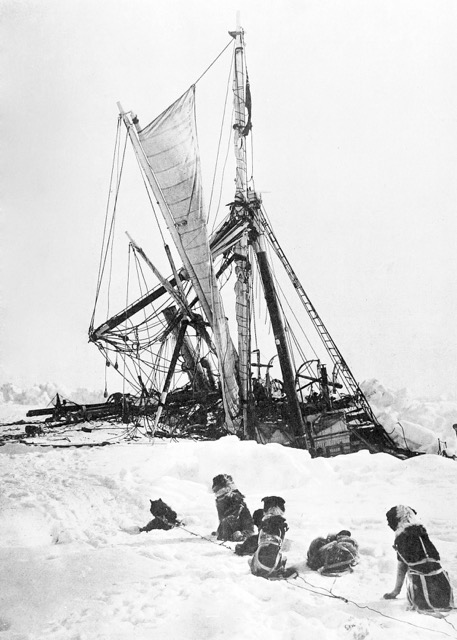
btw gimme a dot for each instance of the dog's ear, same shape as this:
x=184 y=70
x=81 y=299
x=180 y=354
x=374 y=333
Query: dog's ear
x=155 y=504
x=218 y=482
x=392 y=518
x=257 y=517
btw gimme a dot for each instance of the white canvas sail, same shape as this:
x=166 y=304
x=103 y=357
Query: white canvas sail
x=171 y=148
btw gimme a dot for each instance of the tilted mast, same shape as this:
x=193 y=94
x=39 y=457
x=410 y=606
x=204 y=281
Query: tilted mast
x=167 y=150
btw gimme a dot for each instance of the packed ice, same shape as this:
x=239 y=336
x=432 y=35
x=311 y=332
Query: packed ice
x=71 y=567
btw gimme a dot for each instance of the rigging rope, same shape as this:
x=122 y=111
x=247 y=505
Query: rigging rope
x=253 y=315
x=290 y=330
x=139 y=268
x=103 y=258
x=110 y=240
x=213 y=62
x=222 y=178
x=218 y=148
x=126 y=305
x=251 y=179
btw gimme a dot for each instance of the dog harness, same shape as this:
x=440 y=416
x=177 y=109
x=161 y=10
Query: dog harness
x=415 y=568
x=418 y=568
x=273 y=511
x=427 y=567
x=266 y=539
x=342 y=565
x=225 y=490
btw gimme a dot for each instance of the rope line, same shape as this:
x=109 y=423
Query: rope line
x=222 y=180
x=102 y=261
x=330 y=594
x=219 y=544
x=213 y=62
x=219 y=146
x=364 y=606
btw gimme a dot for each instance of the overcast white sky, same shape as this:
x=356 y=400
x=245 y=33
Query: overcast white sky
x=355 y=127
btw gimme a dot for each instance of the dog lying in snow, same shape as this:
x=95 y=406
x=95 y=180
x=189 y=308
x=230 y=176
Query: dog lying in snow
x=164 y=517
x=333 y=555
x=235 y=520
x=268 y=560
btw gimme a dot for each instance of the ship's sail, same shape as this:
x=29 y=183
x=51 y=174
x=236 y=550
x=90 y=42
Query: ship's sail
x=163 y=338
x=171 y=147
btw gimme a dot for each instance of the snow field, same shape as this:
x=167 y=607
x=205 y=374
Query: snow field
x=71 y=572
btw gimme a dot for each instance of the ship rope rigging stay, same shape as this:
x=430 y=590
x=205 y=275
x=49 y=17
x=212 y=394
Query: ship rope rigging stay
x=174 y=335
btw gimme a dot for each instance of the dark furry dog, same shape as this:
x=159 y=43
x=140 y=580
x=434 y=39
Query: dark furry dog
x=333 y=555
x=164 y=516
x=429 y=588
x=249 y=546
x=235 y=520
x=268 y=560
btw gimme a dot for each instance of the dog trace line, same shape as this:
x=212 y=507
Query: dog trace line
x=364 y=606
x=219 y=544
x=329 y=593
x=192 y=533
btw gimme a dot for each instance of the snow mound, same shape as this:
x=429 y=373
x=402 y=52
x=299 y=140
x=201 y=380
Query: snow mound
x=419 y=425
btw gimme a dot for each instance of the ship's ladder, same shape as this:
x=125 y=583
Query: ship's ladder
x=364 y=415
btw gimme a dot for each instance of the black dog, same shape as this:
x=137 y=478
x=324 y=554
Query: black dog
x=235 y=520
x=268 y=560
x=164 y=517
x=249 y=546
x=428 y=585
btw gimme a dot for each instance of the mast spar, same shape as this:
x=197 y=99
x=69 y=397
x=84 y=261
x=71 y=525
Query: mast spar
x=241 y=253
x=247 y=203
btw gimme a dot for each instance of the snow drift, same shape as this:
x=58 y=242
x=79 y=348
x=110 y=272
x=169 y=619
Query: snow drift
x=71 y=571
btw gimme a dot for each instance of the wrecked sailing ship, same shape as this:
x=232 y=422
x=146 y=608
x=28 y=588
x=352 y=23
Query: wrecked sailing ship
x=172 y=343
